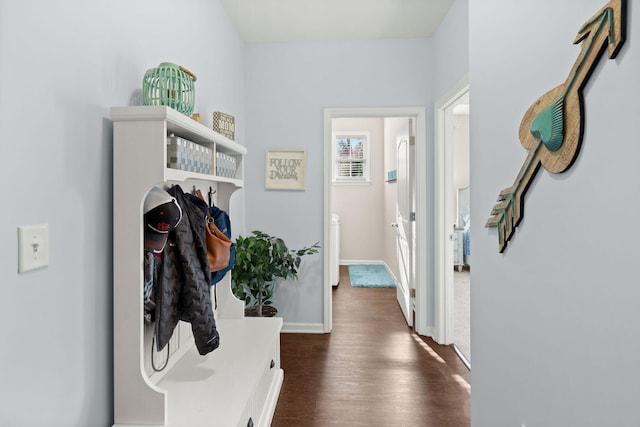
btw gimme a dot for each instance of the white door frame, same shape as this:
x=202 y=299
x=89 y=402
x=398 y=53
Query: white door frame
x=444 y=307
x=421 y=203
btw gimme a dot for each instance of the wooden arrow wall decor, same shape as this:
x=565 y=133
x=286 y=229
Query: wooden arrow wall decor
x=552 y=128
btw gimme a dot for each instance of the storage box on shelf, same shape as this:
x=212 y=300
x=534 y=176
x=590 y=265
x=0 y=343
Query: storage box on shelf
x=235 y=385
x=188 y=156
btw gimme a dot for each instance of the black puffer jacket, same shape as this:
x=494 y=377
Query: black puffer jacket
x=184 y=285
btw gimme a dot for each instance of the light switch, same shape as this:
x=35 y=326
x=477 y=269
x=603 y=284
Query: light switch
x=33 y=247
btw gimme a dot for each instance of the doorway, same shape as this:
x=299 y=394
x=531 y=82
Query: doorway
x=418 y=303
x=453 y=220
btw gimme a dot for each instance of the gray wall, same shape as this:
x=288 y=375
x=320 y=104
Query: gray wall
x=451 y=49
x=288 y=86
x=451 y=65
x=555 y=319
x=62 y=65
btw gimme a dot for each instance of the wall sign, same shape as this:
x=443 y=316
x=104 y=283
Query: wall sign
x=285 y=169
x=224 y=124
x=551 y=129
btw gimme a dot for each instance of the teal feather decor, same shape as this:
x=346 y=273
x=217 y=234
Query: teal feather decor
x=548 y=125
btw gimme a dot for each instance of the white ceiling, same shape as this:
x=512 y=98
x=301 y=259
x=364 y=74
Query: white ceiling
x=307 y=20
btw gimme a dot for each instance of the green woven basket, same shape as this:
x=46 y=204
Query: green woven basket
x=169 y=84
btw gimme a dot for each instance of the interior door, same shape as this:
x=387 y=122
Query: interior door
x=405 y=225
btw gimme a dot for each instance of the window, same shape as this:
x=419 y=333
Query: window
x=351 y=157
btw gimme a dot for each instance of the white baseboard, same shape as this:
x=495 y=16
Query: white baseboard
x=360 y=261
x=303 y=328
x=429 y=332
x=393 y=276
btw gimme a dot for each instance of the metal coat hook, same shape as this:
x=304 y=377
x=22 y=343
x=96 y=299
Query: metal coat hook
x=210 y=194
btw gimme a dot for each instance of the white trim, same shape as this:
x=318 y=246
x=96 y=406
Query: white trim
x=352 y=182
x=462 y=357
x=395 y=280
x=366 y=179
x=303 y=328
x=443 y=268
x=269 y=408
x=328 y=164
x=429 y=332
x=419 y=113
x=361 y=261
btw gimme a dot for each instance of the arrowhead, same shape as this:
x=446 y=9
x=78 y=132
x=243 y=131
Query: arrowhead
x=611 y=17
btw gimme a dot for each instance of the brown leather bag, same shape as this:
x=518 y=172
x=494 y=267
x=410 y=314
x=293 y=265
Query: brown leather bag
x=218 y=245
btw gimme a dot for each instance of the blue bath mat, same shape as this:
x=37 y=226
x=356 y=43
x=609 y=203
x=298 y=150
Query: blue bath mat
x=370 y=276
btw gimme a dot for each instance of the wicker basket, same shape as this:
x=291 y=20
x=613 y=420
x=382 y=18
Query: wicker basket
x=169 y=84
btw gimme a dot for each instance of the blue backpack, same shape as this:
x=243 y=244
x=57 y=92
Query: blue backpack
x=221 y=220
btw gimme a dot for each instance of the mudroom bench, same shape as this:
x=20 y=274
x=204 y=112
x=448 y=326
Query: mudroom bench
x=238 y=383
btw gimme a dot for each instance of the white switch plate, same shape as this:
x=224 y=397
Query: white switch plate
x=33 y=247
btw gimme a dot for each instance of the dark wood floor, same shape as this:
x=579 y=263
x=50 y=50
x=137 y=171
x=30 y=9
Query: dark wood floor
x=372 y=370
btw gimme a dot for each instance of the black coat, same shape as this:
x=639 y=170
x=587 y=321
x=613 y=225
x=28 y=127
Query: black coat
x=185 y=282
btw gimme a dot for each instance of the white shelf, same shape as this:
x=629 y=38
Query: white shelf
x=180 y=175
x=177 y=123
x=228 y=386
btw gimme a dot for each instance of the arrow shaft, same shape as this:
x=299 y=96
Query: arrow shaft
x=508 y=209
x=586 y=60
x=524 y=176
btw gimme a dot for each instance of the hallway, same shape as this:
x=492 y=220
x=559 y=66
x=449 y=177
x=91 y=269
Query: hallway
x=372 y=370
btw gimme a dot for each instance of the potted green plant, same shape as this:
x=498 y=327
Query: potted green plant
x=260 y=260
